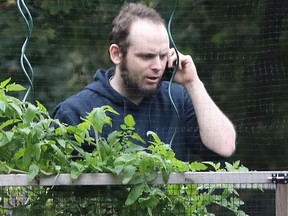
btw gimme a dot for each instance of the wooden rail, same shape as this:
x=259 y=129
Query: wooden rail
x=263 y=177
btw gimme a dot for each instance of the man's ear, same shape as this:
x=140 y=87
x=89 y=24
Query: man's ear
x=115 y=54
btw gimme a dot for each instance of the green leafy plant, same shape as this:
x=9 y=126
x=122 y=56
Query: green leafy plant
x=29 y=144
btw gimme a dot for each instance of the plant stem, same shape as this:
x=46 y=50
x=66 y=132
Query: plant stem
x=97 y=143
x=11 y=170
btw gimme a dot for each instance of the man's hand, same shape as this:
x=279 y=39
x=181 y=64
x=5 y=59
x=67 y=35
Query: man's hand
x=186 y=72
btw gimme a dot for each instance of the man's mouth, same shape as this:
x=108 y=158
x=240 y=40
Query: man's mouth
x=152 y=79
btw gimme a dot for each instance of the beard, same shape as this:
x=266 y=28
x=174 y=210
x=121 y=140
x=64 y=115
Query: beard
x=132 y=85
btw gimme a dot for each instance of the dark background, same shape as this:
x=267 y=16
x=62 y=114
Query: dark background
x=240 y=49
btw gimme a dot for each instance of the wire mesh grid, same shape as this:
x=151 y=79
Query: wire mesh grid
x=255 y=199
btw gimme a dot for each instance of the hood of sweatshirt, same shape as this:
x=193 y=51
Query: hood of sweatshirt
x=101 y=87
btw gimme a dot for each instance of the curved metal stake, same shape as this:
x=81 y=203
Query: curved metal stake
x=24 y=62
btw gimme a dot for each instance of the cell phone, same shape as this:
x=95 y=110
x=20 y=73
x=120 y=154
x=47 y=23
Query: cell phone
x=168 y=72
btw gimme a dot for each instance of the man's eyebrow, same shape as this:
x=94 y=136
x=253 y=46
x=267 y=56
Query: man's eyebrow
x=151 y=54
x=146 y=54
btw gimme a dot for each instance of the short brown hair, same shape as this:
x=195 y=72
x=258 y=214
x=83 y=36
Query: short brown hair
x=121 y=25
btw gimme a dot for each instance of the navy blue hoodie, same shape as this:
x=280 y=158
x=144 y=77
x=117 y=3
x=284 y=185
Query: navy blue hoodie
x=155 y=113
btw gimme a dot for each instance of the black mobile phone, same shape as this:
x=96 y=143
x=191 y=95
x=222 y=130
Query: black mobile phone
x=168 y=72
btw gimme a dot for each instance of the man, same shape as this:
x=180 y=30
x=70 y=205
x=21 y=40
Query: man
x=140 y=51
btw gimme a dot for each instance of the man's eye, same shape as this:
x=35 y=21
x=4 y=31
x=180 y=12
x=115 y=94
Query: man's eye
x=147 y=56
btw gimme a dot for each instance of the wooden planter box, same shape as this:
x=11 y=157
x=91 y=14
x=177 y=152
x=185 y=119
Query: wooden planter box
x=268 y=180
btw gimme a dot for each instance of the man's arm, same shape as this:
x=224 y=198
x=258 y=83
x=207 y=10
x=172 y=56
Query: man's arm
x=216 y=130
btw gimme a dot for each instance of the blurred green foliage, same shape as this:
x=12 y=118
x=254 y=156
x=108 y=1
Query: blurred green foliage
x=239 y=47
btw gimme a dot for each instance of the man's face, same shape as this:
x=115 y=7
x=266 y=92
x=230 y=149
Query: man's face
x=143 y=66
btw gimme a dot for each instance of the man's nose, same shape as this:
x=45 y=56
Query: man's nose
x=157 y=63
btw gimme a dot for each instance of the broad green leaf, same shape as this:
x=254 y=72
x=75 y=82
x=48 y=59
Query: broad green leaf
x=9 y=135
x=229 y=166
x=123 y=127
x=61 y=142
x=139 y=178
x=198 y=166
x=138 y=137
x=16 y=108
x=180 y=166
x=2 y=106
x=149 y=202
x=58 y=168
x=41 y=107
x=160 y=161
x=243 y=169
x=128 y=173
x=4 y=83
x=108 y=121
x=145 y=163
x=33 y=171
x=76 y=170
x=9 y=123
x=90 y=160
x=30 y=113
x=134 y=194
x=110 y=109
x=124 y=159
x=155 y=136
x=97 y=118
x=216 y=166
x=134 y=148
x=14 y=87
x=3 y=97
x=3 y=168
x=25 y=131
x=79 y=137
x=5 y=138
x=166 y=175
x=58 y=153
x=118 y=169
x=236 y=163
x=129 y=121
x=18 y=155
x=27 y=157
x=83 y=126
x=113 y=138
x=37 y=150
x=151 y=176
